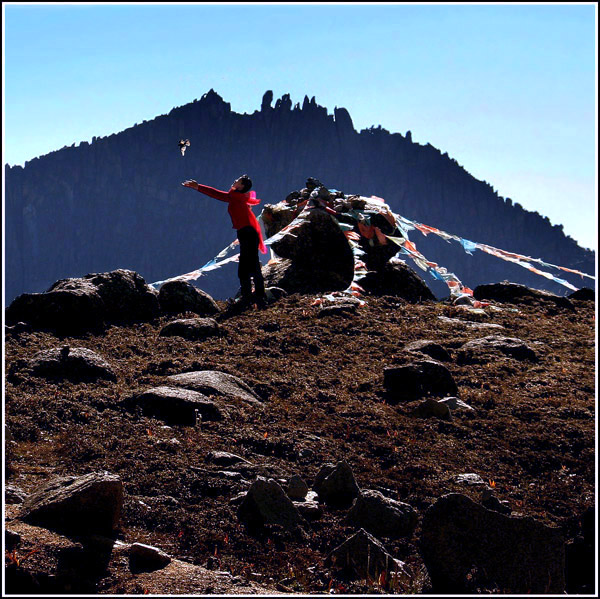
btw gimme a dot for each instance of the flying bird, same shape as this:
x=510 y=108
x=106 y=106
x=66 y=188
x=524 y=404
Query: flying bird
x=183 y=144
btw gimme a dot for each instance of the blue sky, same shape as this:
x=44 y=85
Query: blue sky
x=507 y=90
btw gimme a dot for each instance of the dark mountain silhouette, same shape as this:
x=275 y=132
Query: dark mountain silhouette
x=118 y=202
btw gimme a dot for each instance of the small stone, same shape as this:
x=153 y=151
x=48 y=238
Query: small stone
x=338 y=488
x=470 y=479
x=455 y=404
x=297 y=488
x=192 y=329
x=147 y=558
x=362 y=555
x=432 y=408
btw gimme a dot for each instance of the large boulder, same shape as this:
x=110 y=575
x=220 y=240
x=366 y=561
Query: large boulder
x=465 y=544
x=79 y=304
x=382 y=516
x=417 y=379
x=181 y=296
x=317 y=257
x=75 y=364
x=61 y=309
x=175 y=406
x=398 y=279
x=515 y=293
x=88 y=504
x=266 y=503
x=214 y=383
x=125 y=294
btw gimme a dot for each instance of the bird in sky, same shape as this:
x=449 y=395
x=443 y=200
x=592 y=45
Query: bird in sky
x=183 y=144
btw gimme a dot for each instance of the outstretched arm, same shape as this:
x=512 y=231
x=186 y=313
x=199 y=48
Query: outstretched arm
x=209 y=191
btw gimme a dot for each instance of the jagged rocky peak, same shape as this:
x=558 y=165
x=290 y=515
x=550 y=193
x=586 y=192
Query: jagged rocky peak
x=212 y=99
x=267 y=100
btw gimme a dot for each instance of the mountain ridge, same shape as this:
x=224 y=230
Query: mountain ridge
x=134 y=176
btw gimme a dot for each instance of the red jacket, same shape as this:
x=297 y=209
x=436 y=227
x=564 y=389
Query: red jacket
x=239 y=209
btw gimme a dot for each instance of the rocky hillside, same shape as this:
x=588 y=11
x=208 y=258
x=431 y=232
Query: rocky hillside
x=117 y=202
x=317 y=445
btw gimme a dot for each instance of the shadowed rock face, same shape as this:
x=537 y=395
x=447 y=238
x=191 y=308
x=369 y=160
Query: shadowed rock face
x=85 y=303
x=83 y=505
x=118 y=201
x=460 y=535
x=75 y=364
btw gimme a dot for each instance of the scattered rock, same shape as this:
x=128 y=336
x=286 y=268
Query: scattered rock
x=193 y=329
x=213 y=382
x=223 y=458
x=491 y=502
x=461 y=538
x=420 y=378
x=73 y=363
x=470 y=479
x=82 y=504
x=382 y=516
x=486 y=349
x=309 y=508
x=181 y=296
x=336 y=487
x=176 y=406
x=296 y=488
x=266 y=503
x=456 y=404
x=362 y=556
x=431 y=408
x=468 y=323
x=147 y=558
x=13 y=494
x=430 y=348
x=339 y=308
x=515 y=293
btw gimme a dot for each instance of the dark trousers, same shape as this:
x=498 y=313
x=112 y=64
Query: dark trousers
x=249 y=266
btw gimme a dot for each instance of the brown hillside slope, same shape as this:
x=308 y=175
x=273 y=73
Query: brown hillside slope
x=530 y=434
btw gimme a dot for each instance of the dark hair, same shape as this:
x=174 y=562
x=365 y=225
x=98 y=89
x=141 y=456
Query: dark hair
x=246 y=182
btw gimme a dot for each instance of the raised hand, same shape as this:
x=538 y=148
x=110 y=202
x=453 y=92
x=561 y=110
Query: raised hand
x=191 y=183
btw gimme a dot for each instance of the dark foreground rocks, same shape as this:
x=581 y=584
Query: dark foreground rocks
x=73 y=363
x=515 y=293
x=465 y=545
x=85 y=504
x=180 y=296
x=86 y=303
x=417 y=379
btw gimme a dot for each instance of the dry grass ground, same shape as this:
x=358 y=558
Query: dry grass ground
x=531 y=433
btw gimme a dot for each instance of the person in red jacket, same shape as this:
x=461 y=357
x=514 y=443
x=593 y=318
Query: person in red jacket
x=240 y=199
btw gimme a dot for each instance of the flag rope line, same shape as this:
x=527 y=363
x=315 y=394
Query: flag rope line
x=406 y=247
